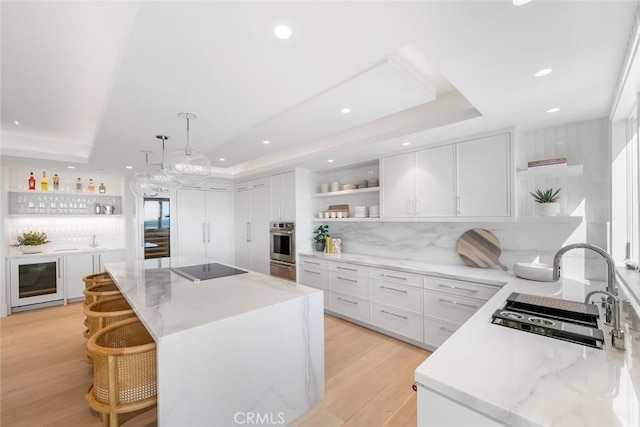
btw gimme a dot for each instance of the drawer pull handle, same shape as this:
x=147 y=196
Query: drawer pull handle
x=442 y=328
x=393 y=314
x=393 y=277
x=393 y=289
x=311 y=262
x=442 y=285
x=345 y=268
x=312 y=272
x=348 y=280
x=474 y=307
x=346 y=300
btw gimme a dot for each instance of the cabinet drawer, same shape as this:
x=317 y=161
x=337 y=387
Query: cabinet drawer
x=350 y=268
x=397 y=277
x=437 y=331
x=453 y=308
x=350 y=284
x=460 y=287
x=314 y=263
x=350 y=306
x=399 y=321
x=395 y=295
x=314 y=277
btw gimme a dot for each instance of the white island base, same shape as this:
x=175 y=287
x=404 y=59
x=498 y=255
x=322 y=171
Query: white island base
x=239 y=350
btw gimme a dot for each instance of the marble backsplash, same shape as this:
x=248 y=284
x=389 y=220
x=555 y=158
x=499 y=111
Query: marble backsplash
x=436 y=242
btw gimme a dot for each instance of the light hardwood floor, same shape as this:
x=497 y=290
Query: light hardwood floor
x=43 y=375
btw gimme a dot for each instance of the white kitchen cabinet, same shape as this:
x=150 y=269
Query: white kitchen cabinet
x=253 y=201
x=315 y=273
x=484 y=177
x=81 y=264
x=435 y=182
x=205 y=223
x=398 y=186
x=283 y=197
x=396 y=320
x=469 y=179
x=434 y=409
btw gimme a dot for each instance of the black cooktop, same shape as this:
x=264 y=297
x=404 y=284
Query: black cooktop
x=207 y=271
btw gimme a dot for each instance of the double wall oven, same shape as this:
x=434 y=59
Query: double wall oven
x=283 y=250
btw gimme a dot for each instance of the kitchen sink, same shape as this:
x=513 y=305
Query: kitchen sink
x=552 y=317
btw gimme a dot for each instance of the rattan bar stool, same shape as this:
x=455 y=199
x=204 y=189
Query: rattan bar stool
x=124 y=371
x=100 y=291
x=95 y=279
x=103 y=313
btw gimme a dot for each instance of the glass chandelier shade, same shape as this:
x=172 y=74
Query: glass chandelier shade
x=138 y=185
x=154 y=180
x=188 y=166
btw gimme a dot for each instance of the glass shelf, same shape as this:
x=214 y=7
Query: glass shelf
x=43 y=203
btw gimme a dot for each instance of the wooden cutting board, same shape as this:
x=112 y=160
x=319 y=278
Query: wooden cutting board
x=480 y=248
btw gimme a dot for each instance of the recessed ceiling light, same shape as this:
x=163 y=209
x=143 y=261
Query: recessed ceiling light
x=406 y=143
x=266 y=142
x=520 y=2
x=129 y=167
x=553 y=110
x=71 y=167
x=345 y=110
x=17 y=123
x=222 y=159
x=330 y=161
x=543 y=72
x=282 y=32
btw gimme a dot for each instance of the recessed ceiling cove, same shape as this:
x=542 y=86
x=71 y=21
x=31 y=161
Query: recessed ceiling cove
x=376 y=99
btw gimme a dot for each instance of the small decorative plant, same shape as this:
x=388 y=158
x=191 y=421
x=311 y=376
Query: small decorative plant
x=546 y=196
x=31 y=238
x=320 y=235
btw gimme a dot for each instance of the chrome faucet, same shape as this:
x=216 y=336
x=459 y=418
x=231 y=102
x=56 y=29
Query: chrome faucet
x=617 y=333
x=93 y=243
x=611 y=266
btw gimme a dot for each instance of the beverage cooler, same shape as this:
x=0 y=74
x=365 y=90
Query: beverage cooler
x=36 y=281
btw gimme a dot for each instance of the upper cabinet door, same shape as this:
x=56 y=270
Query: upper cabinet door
x=435 y=182
x=283 y=195
x=398 y=186
x=484 y=177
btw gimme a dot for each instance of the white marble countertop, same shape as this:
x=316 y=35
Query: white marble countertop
x=523 y=379
x=168 y=303
x=492 y=276
x=15 y=253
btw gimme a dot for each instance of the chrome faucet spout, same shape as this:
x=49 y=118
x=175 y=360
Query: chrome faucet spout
x=611 y=266
x=617 y=333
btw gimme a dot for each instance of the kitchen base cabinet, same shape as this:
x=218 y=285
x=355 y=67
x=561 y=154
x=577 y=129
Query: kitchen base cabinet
x=81 y=264
x=436 y=410
x=350 y=306
x=396 y=320
x=437 y=331
x=315 y=273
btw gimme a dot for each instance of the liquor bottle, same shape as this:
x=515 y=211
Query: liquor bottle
x=102 y=188
x=79 y=185
x=56 y=181
x=44 y=183
x=91 y=187
x=32 y=182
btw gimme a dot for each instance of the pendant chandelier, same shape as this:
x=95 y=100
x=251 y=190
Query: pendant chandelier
x=154 y=180
x=138 y=185
x=188 y=166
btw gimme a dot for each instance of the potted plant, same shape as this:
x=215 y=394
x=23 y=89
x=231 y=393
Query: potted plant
x=320 y=235
x=31 y=242
x=547 y=202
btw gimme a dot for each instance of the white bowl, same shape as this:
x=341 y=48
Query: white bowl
x=534 y=271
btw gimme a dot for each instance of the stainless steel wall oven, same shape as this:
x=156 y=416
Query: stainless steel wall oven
x=283 y=250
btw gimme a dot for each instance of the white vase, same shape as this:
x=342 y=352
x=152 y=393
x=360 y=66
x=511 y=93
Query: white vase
x=548 y=209
x=32 y=249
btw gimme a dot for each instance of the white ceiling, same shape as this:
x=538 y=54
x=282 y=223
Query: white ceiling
x=94 y=82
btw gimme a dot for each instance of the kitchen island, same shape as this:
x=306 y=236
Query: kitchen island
x=240 y=349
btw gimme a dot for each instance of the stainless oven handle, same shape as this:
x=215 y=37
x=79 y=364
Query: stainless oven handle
x=283 y=264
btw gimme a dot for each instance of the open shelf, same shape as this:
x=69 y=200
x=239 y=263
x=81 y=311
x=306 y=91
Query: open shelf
x=347 y=192
x=550 y=219
x=556 y=171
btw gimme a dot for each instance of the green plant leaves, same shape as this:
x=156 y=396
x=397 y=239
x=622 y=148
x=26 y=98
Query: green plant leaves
x=546 y=196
